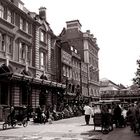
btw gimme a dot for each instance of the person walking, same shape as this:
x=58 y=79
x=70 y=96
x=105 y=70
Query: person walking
x=87 y=112
x=132 y=116
x=117 y=116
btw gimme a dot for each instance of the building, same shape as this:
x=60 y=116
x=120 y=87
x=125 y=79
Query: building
x=71 y=71
x=28 y=70
x=108 y=85
x=86 y=44
x=111 y=90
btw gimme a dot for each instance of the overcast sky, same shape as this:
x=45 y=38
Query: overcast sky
x=115 y=24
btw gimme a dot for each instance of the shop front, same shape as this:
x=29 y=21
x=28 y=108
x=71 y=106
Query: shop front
x=22 y=90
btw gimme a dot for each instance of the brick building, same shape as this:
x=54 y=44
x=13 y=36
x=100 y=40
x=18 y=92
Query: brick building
x=71 y=70
x=86 y=44
x=28 y=74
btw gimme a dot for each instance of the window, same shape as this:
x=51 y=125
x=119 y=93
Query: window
x=1 y=11
x=9 y=44
x=42 y=59
x=27 y=27
x=75 y=51
x=21 y=24
x=9 y=16
x=22 y=48
x=3 y=42
x=42 y=36
x=71 y=48
x=64 y=71
x=28 y=53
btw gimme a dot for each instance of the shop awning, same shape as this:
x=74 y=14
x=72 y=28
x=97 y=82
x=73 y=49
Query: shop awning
x=21 y=77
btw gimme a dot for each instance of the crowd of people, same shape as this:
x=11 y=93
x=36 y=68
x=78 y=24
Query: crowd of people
x=49 y=114
x=116 y=114
x=113 y=113
x=134 y=117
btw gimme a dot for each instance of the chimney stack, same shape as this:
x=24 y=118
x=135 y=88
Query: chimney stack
x=74 y=24
x=42 y=13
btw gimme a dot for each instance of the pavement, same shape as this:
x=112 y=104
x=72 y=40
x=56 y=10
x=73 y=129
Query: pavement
x=65 y=129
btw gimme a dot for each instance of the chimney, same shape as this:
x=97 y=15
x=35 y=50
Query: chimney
x=42 y=13
x=74 y=24
x=88 y=31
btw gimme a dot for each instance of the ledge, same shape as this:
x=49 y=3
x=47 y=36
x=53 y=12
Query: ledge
x=25 y=34
x=6 y=23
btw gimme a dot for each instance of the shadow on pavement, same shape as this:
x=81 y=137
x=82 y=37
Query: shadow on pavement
x=92 y=134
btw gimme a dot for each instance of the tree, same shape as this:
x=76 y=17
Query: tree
x=136 y=80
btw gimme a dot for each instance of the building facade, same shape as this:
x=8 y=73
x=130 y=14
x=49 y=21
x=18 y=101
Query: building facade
x=71 y=70
x=110 y=90
x=86 y=45
x=28 y=70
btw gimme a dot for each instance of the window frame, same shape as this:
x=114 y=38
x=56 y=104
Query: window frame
x=42 y=60
x=9 y=15
x=10 y=44
x=1 y=11
x=22 y=50
x=42 y=36
x=21 y=22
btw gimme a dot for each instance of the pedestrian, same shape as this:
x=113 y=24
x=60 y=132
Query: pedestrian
x=11 y=116
x=105 y=118
x=132 y=116
x=117 y=115
x=87 y=112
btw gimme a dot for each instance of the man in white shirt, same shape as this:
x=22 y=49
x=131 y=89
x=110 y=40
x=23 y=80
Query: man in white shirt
x=88 y=112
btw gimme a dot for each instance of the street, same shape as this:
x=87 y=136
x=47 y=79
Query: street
x=66 y=129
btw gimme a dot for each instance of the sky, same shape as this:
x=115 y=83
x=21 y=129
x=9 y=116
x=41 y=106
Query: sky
x=115 y=24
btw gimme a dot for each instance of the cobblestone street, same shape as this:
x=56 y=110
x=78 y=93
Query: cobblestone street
x=66 y=129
